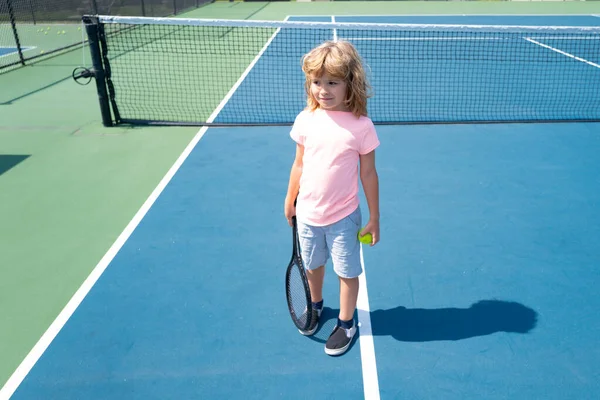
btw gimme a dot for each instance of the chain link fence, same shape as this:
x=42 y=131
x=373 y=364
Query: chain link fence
x=30 y=29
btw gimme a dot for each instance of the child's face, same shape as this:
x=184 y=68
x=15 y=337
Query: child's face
x=330 y=92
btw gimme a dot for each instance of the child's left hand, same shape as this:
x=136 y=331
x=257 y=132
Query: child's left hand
x=372 y=227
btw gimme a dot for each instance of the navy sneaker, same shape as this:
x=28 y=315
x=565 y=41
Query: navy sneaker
x=339 y=340
x=316 y=316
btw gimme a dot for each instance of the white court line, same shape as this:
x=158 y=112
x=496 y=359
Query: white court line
x=40 y=347
x=467 y=38
x=563 y=53
x=367 y=345
x=566 y=37
x=23 y=49
x=446 y=15
x=335 y=36
x=422 y=38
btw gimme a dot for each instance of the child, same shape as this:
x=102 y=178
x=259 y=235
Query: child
x=332 y=135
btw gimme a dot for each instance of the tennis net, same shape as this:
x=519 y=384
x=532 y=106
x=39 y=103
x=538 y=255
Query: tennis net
x=175 y=71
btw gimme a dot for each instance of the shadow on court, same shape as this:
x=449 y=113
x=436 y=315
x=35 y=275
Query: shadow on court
x=482 y=318
x=7 y=161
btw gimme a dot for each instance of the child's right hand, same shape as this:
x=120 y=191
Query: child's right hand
x=289 y=209
x=372 y=227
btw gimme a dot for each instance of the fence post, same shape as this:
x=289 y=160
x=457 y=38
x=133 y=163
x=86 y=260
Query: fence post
x=32 y=7
x=11 y=14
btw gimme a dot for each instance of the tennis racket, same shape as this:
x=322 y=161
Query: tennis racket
x=296 y=286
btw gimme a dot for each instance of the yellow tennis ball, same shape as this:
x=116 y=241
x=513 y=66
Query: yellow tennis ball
x=367 y=238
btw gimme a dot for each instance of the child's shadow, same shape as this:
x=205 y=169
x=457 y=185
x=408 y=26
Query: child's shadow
x=422 y=325
x=482 y=318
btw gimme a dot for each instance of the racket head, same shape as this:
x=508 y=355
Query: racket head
x=296 y=287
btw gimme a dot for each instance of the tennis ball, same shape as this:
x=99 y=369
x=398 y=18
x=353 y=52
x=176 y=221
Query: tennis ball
x=367 y=238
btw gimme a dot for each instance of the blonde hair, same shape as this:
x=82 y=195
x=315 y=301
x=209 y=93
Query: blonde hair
x=341 y=60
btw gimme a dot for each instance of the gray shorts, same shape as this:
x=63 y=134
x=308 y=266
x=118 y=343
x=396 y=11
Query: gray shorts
x=340 y=240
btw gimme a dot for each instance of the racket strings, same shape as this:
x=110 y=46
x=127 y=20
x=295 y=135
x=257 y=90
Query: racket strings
x=297 y=296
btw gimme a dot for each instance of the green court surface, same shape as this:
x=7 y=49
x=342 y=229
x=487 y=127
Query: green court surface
x=41 y=38
x=69 y=186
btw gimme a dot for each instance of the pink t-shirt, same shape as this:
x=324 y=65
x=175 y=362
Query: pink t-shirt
x=333 y=142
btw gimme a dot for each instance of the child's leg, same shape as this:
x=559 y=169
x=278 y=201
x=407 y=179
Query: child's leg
x=315 y=254
x=348 y=297
x=345 y=251
x=315 y=281
x=342 y=239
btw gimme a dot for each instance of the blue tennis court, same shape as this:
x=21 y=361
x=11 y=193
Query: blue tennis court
x=7 y=50
x=483 y=286
x=462 y=75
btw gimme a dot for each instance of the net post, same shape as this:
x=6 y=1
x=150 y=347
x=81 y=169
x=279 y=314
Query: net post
x=143 y=5
x=91 y=27
x=11 y=14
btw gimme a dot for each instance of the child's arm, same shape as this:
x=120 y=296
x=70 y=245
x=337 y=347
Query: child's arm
x=294 y=184
x=370 y=183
